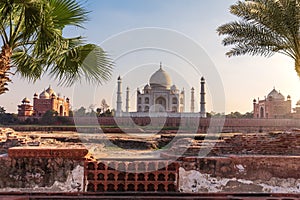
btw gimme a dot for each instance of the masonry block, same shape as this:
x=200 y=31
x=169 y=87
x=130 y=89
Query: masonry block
x=40 y=152
x=135 y=176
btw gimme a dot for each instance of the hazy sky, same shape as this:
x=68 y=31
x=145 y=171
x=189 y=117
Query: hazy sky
x=119 y=26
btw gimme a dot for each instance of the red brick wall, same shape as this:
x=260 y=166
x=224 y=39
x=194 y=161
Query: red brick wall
x=230 y=125
x=41 y=106
x=131 y=176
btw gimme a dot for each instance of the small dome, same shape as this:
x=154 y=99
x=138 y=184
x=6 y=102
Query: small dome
x=274 y=95
x=160 y=79
x=254 y=101
x=147 y=87
x=26 y=100
x=173 y=88
x=44 y=95
x=298 y=103
x=36 y=95
x=50 y=91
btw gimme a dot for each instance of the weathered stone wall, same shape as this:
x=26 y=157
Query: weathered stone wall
x=230 y=125
x=269 y=174
x=41 y=175
x=260 y=144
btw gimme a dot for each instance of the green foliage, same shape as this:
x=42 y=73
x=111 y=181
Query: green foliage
x=7 y=119
x=265 y=27
x=81 y=112
x=63 y=121
x=107 y=113
x=98 y=112
x=239 y=115
x=214 y=114
x=49 y=117
x=33 y=32
x=236 y=114
x=2 y=110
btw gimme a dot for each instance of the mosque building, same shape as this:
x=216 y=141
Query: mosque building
x=160 y=95
x=273 y=106
x=47 y=100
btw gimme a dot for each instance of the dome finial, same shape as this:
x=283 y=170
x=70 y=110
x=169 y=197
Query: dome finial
x=160 y=65
x=160 y=79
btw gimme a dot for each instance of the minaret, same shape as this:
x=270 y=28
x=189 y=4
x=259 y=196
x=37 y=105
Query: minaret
x=202 y=97
x=182 y=100
x=119 y=98
x=127 y=100
x=254 y=108
x=193 y=100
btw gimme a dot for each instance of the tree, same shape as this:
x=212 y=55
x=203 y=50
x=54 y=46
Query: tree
x=91 y=112
x=8 y=118
x=2 y=110
x=108 y=113
x=49 y=117
x=239 y=115
x=248 y=115
x=234 y=115
x=33 y=43
x=98 y=111
x=266 y=27
x=214 y=114
x=80 y=112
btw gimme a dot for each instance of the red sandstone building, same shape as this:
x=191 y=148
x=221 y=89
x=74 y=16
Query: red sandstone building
x=273 y=106
x=47 y=100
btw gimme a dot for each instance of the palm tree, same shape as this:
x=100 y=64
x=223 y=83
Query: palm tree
x=266 y=27
x=33 y=43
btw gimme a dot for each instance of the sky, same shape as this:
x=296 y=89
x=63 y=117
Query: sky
x=139 y=34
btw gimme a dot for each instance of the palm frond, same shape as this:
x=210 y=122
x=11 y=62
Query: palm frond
x=26 y=65
x=33 y=30
x=67 y=12
x=76 y=63
x=266 y=27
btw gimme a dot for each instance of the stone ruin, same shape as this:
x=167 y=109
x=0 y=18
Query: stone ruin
x=247 y=163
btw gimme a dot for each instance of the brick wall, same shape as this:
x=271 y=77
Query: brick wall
x=131 y=176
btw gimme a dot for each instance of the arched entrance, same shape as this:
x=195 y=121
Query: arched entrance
x=174 y=109
x=262 y=112
x=162 y=102
x=61 y=111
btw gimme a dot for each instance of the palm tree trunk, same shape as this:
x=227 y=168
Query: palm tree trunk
x=5 y=57
x=297 y=66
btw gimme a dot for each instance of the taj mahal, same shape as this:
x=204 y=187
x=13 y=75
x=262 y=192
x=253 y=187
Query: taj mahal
x=160 y=95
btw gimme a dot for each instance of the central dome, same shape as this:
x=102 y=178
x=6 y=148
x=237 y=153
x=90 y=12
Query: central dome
x=160 y=79
x=275 y=95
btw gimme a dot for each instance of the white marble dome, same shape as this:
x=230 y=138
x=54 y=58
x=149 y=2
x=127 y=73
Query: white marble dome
x=160 y=79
